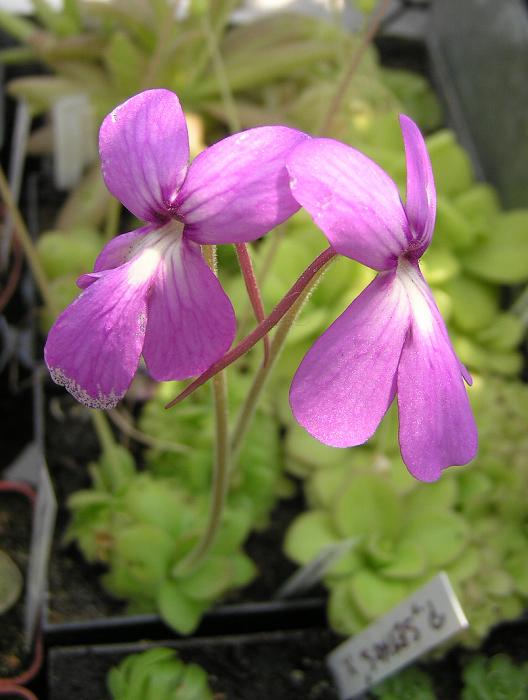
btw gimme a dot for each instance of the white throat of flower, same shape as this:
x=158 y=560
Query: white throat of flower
x=416 y=289
x=150 y=251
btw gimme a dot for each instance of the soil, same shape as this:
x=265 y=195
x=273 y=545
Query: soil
x=285 y=666
x=15 y=534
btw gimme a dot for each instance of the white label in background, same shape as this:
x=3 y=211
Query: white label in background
x=310 y=574
x=74 y=143
x=430 y=616
x=41 y=539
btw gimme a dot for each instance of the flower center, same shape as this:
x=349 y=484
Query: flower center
x=408 y=274
x=150 y=251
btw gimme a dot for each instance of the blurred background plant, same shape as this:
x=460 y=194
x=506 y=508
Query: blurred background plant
x=483 y=678
x=158 y=674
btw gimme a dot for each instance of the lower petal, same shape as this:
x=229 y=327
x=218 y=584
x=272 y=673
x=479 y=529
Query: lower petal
x=93 y=348
x=191 y=322
x=437 y=428
x=120 y=248
x=346 y=382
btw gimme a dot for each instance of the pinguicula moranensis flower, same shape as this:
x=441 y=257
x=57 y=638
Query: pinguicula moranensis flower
x=151 y=291
x=391 y=341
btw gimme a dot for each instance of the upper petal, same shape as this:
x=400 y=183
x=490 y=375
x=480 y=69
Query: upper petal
x=94 y=346
x=238 y=189
x=346 y=381
x=437 y=428
x=144 y=152
x=352 y=200
x=421 y=193
x=191 y=322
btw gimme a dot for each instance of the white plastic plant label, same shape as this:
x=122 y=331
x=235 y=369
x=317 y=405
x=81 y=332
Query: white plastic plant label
x=74 y=141
x=310 y=574
x=430 y=616
x=41 y=538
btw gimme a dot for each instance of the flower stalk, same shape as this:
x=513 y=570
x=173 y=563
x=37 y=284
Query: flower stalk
x=262 y=329
x=249 y=406
x=221 y=463
x=250 y=280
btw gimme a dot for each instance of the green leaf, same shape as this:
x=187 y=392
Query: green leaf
x=343 y=614
x=465 y=566
x=516 y=566
x=11 y=582
x=503 y=257
x=146 y=551
x=479 y=205
x=368 y=505
x=159 y=504
x=475 y=304
x=308 y=534
x=452 y=168
x=177 y=610
x=452 y=227
x=243 y=568
x=426 y=498
x=505 y=333
x=443 y=536
x=193 y=685
x=439 y=265
x=125 y=63
x=212 y=578
x=408 y=562
x=409 y=684
x=375 y=595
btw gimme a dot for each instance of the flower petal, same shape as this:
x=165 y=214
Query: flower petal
x=421 y=193
x=94 y=346
x=191 y=322
x=346 y=381
x=144 y=152
x=120 y=249
x=437 y=428
x=352 y=200
x=238 y=189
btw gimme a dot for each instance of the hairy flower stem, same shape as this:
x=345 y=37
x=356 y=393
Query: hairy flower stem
x=102 y=430
x=263 y=328
x=357 y=57
x=247 y=411
x=23 y=235
x=221 y=461
x=246 y=266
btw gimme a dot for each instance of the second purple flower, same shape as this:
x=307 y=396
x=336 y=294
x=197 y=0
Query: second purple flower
x=391 y=341
x=151 y=293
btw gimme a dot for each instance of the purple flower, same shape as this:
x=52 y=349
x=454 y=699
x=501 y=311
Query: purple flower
x=151 y=292
x=392 y=339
